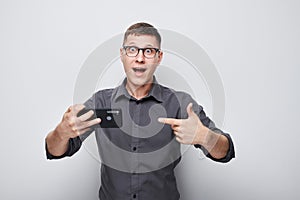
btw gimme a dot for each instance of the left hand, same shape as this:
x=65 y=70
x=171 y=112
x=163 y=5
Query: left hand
x=187 y=131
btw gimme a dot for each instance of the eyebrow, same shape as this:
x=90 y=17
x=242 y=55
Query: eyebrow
x=133 y=44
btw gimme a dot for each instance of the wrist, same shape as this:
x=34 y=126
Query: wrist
x=203 y=135
x=210 y=140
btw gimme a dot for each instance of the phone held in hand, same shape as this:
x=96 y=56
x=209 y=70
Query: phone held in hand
x=110 y=117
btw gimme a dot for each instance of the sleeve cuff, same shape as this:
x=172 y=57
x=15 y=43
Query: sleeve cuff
x=230 y=153
x=73 y=147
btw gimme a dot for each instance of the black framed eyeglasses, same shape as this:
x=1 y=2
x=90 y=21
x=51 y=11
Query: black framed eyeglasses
x=133 y=51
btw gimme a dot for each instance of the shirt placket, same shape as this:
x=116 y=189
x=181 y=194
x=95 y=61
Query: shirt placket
x=135 y=145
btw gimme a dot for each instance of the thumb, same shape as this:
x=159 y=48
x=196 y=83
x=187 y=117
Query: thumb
x=189 y=110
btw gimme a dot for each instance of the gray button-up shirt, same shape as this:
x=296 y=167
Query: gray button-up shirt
x=138 y=158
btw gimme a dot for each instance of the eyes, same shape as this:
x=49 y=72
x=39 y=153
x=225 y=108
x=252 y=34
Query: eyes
x=133 y=51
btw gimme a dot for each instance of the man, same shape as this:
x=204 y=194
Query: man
x=139 y=157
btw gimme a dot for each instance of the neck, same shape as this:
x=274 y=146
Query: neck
x=138 y=92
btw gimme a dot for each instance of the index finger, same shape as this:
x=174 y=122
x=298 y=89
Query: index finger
x=78 y=108
x=75 y=108
x=170 y=121
x=89 y=114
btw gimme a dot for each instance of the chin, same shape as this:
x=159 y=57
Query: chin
x=140 y=82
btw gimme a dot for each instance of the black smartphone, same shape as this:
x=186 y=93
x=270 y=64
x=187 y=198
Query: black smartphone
x=110 y=118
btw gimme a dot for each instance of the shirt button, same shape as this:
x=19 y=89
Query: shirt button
x=133 y=148
x=134 y=196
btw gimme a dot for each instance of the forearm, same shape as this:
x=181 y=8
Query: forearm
x=56 y=145
x=216 y=144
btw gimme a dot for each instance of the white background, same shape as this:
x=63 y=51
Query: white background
x=254 y=45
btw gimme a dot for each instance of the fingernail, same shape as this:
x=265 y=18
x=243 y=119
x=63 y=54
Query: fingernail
x=160 y=120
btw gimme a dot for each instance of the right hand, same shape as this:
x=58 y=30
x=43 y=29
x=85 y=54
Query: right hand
x=72 y=126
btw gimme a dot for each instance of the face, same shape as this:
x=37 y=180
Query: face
x=140 y=69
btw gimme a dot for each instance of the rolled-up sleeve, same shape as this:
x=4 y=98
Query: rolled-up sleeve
x=73 y=147
x=230 y=153
x=211 y=125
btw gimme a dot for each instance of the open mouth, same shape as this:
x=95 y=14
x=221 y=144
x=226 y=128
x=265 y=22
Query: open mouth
x=138 y=69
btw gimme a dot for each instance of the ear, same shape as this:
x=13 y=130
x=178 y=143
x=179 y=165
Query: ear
x=121 y=54
x=160 y=56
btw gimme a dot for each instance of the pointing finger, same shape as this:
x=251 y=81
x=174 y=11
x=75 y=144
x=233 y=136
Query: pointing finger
x=170 y=121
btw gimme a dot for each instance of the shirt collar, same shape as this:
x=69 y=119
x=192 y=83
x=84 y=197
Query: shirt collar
x=121 y=91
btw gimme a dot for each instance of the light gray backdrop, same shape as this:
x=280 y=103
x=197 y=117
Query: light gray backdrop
x=254 y=45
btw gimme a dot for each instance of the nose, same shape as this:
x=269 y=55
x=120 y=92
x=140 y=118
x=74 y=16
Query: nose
x=140 y=56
